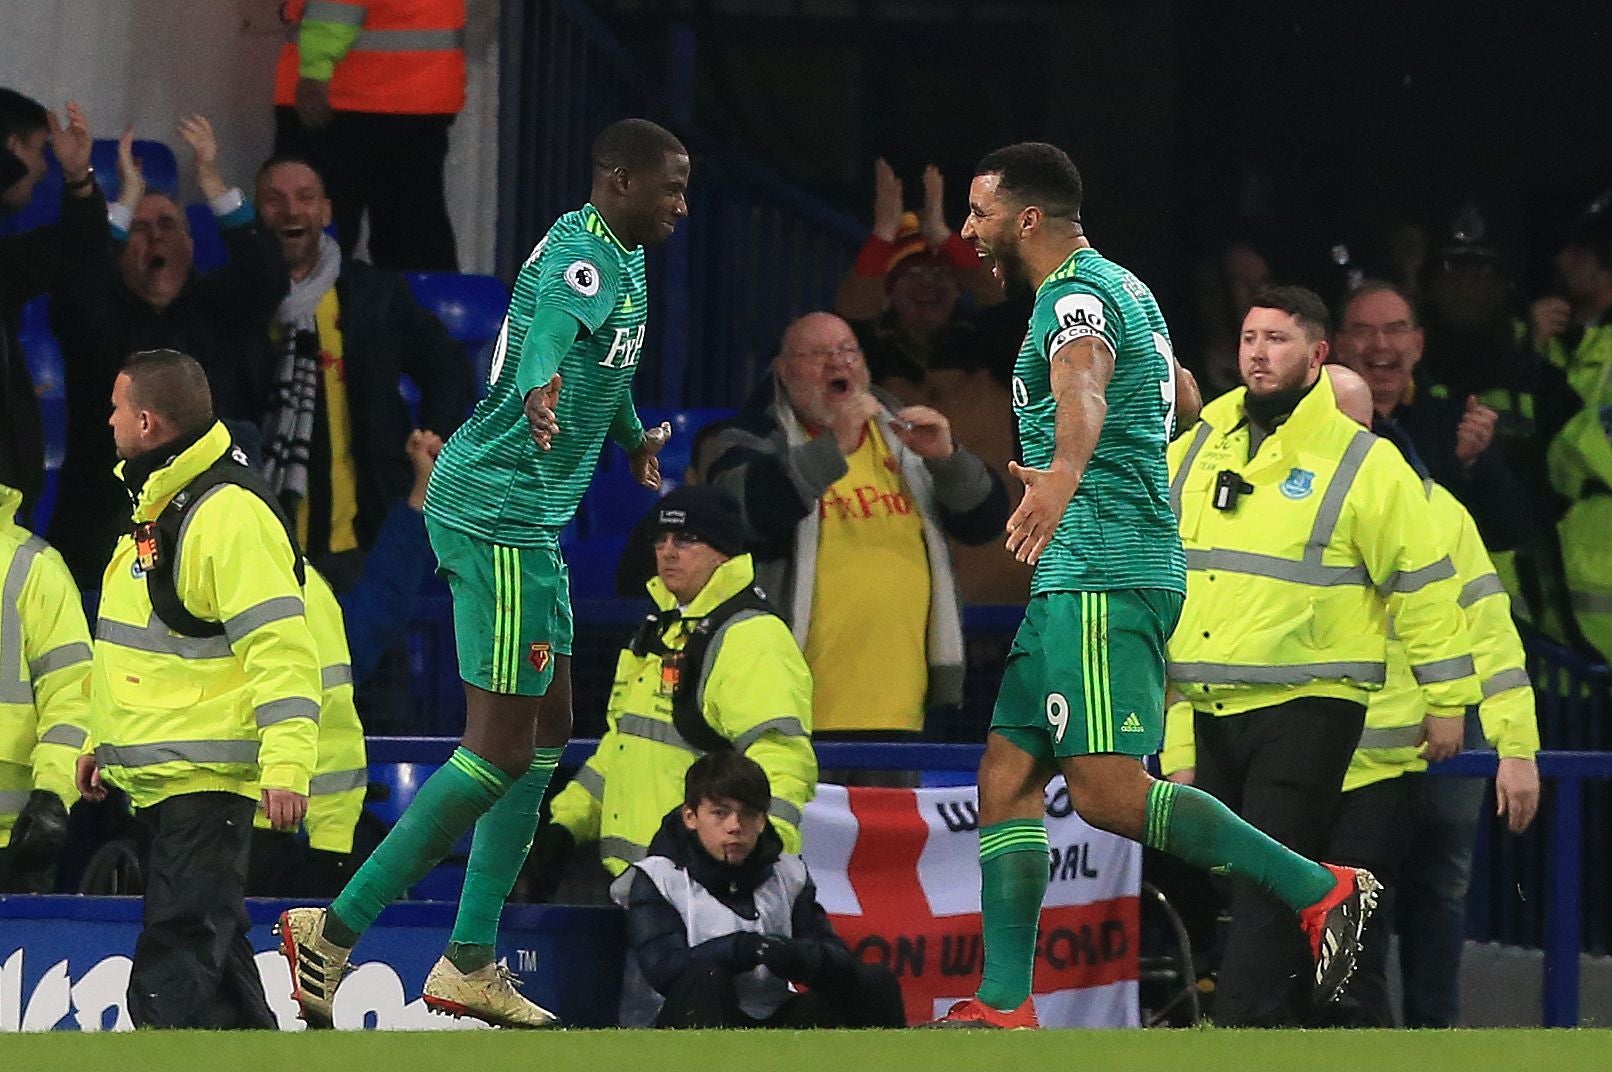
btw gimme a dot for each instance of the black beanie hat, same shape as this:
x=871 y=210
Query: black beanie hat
x=705 y=512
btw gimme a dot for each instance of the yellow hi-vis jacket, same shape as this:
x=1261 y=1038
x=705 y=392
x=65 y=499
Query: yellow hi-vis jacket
x=1289 y=593
x=1388 y=745
x=1580 y=459
x=341 y=774
x=44 y=669
x=757 y=693
x=172 y=714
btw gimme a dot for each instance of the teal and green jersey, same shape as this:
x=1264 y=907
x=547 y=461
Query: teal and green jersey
x=491 y=479
x=1118 y=531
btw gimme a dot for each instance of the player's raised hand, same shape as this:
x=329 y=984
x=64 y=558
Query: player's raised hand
x=646 y=459
x=1046 y=496
x=541 y=403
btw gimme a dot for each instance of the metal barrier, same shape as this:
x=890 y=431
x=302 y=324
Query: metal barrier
x=1563 y=815
x=756 y=251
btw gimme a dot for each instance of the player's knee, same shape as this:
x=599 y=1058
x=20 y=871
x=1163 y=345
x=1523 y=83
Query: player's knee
x=1109 y=799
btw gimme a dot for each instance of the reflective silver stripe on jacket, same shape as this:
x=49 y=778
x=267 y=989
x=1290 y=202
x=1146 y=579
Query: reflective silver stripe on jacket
x=335 y=675
x=1454 y=668
x=782 y=809
x=1326 y=518
x=1480 y=588
x=343 y=14
x=1362 y=673
x=149 y=755
x=71 y=654
x=409 y=41
x=1280 y=569
x=1309 y=569
x=13 y=689
x=1593 y=602
x=712 y=650
x=1506 y=680
x=1416 y=580
x=338 y=782
x=787 y=725
x=158 y=639
x=286 y=707
x=63 y=734
x=591 y=781
x=265 y=613
x=1180 y=481
x=621 y=849
x=1390 y=736
x=13 y=801
x=652 y=730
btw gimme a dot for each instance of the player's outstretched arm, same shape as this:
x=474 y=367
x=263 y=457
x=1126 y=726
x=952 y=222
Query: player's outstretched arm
x=1080 y=373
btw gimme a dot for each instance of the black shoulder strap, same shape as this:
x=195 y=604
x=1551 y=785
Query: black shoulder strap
x=231 y=468
x=686 y=714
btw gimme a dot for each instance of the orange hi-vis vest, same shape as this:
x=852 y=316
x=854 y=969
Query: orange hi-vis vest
x=397 y=57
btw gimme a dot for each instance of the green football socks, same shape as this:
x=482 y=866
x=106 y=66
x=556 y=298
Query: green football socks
x=1192 y=825
x=447 y=804
x=497 y=853
x=1013 y=880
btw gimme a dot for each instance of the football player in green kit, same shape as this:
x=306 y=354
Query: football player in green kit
x=505 y=485
x=1096 y=390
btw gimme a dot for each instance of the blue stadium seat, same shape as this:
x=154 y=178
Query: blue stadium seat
x=679 y=450
x=158 y=166
x=472 y=307
x=614 y=502
x=210 y=251
x=592 y=564
x=402 y=782
x=44 y=356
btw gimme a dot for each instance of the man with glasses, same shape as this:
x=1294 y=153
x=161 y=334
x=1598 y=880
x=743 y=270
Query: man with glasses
x=1380 y=337
x=848 y=499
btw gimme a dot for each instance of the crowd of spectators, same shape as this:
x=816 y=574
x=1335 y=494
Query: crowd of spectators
x=867 y=478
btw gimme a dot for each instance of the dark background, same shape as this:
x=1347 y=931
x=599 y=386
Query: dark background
x=1296 y=125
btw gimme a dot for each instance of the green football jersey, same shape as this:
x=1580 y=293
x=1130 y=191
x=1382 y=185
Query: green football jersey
x=1118 y=531
x=491 y=479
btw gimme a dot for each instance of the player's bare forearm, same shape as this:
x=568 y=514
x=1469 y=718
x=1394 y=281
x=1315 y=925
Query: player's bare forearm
x=1080 y=375
x=1188 y=400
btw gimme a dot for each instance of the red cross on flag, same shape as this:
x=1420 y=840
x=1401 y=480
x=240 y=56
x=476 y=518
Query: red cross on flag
x=898 y=872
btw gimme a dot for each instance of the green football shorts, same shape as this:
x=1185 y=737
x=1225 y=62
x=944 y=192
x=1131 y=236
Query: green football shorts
x=511 y=609
x=1086 y=674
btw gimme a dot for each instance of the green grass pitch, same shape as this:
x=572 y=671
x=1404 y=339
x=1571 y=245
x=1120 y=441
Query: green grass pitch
x=862 y=1051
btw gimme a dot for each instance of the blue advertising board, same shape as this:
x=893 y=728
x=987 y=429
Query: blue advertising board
x=64 y=963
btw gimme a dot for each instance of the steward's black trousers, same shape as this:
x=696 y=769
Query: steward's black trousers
x=193 y=964
x=1281 y=768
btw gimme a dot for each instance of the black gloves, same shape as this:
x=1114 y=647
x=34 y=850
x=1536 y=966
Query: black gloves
x=746 y=950
x=794 y=960
x=40 y=830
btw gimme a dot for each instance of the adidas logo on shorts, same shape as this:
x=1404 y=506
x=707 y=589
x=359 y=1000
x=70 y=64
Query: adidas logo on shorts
x=1132 y=724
